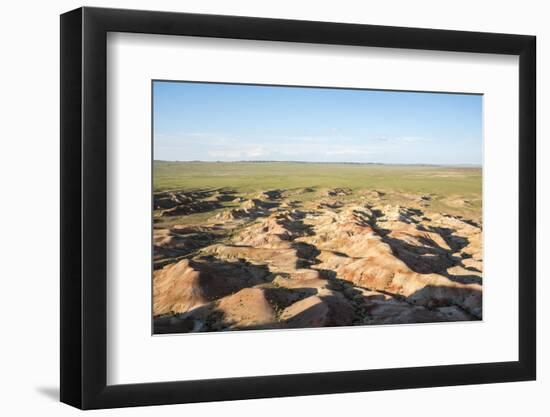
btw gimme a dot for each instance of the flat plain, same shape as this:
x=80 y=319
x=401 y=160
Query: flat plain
x=274 y=245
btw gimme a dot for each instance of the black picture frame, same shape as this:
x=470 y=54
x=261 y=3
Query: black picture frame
x=84 y=207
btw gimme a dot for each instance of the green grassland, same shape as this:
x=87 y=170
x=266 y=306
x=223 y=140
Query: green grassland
x=398 y=181
x=250 y=177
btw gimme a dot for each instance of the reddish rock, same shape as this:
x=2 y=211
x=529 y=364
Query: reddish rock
x=247 y=308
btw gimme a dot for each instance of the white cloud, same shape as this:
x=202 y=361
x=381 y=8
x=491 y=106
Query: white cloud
x=196 y=145
x=413 y=139
x=350 y=151
x=255 y=152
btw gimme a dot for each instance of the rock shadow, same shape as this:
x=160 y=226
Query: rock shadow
x=431 y=258
x=180 y=242
x=294 y=222
x=433 y=296
x=306 y=252
x=185 y=202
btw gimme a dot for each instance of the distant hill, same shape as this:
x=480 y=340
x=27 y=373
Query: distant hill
x=324 y=163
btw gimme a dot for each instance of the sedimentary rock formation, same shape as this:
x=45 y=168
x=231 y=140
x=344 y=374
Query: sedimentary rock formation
x=269 y=264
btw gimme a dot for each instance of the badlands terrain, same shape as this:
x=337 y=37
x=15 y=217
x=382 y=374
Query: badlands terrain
x=294 y=245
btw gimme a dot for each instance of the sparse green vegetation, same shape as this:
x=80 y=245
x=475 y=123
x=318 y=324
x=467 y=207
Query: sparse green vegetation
x=274 y=245
x=443 y=184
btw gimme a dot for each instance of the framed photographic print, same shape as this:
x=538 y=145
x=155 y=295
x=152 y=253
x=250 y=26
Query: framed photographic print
x=257 y=207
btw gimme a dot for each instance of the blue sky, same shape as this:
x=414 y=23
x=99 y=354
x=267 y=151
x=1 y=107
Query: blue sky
x=229 y=122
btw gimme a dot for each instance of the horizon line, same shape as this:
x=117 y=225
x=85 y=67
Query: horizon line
x=256 y=161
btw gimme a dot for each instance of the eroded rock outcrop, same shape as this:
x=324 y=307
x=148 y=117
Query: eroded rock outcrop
x=337 y=261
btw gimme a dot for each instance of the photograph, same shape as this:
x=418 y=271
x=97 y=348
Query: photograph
x=285 y=207
x=304 y=206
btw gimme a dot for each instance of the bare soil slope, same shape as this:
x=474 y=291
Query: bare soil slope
x=341 y=258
